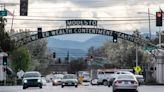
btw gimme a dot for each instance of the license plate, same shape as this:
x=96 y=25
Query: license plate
x=69 y=83
x=126 y=82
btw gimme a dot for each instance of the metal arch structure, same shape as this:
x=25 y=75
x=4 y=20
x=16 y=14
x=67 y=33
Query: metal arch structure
x=100 y=31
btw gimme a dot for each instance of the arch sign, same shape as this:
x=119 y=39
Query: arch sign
x=72 y=28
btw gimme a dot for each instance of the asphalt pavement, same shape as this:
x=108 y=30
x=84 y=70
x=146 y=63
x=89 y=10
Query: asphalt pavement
x=90 y=88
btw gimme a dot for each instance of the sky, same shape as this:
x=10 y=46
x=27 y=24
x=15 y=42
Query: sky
x=111 y=14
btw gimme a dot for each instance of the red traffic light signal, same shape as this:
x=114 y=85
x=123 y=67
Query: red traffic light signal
x=159 y=18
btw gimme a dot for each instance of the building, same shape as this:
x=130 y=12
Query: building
x=157 y=65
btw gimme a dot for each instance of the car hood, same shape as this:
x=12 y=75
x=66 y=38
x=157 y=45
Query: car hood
x=31 y=78
x=56 y=79
x=65 y=80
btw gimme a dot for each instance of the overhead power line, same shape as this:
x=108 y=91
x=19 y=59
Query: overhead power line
x=77 y=18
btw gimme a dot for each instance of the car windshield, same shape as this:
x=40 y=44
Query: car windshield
x=130 y=77
x=32 y=75
x=58 y=76
x=69 y=77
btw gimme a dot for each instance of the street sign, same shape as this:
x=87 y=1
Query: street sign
x=3 y=13
x=137 y=69
x=20 y=74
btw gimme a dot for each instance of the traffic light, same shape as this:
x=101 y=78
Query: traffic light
x=59 y=60
x=159 y=18
x=40 y=33
x=54 y=55
x=91 y=57
x=114 y=37
x=4 y=60
x=23 y=7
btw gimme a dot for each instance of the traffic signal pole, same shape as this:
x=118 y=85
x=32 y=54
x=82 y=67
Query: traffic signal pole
x=136 y=55
x=5 y=75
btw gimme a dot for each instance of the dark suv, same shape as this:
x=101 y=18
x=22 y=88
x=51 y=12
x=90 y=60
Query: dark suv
x=32 y=79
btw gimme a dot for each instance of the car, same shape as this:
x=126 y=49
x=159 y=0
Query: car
x=69 y=80
x=57 y=79
x=94 y=81
x=86 y=82
x=32 y=79
x=113 y=76
x=44 y=82
x=125 y=82
x=140 y=79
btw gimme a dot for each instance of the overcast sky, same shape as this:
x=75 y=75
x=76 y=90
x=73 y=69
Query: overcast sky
x=49 y=13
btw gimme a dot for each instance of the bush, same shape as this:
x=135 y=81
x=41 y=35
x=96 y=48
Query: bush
x=8 y=83
x=151 y=82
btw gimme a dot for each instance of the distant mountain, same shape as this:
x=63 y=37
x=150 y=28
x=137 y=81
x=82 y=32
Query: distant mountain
x=75 y=48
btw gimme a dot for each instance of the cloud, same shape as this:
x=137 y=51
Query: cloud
x=45 y=13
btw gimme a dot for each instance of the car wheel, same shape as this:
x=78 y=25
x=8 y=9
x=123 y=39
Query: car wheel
x=115 y=91
x=62 y=86
x=76 y=86
x=109 y=85
x=136 y=91
x=105 y=83
x=24 y=87
x=40 y=86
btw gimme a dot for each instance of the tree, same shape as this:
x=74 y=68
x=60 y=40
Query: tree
x=20 y=59
x=77 y=65
x=6 y=44
x=39 y=55
x=121 y=54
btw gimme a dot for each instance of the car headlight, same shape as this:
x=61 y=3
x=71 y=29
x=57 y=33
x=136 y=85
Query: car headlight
x=25 y=81
x=39 y=80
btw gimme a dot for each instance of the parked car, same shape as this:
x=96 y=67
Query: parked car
x=57 y=79
x=140 y=79
x=125 y=82
x=32 y=79
x=69 y=80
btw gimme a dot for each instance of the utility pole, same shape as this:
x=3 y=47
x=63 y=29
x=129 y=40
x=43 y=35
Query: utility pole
x=159 y=38
x=149 y=23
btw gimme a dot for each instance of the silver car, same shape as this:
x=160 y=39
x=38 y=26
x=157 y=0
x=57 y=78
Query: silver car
x=125 y=82
x=69 y=80
x=57 y=79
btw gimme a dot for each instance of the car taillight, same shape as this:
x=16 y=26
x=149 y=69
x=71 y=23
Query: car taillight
x=133 y=82
x=117 y=82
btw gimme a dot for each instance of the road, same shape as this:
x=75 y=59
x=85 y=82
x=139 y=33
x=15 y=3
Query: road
x=50 y=88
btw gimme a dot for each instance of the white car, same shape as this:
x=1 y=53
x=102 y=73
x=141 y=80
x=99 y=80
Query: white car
x=94 y=81
x=125 y=82
x=57 y=79
x=44 y=82
x=113 y=76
